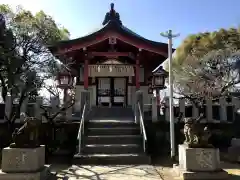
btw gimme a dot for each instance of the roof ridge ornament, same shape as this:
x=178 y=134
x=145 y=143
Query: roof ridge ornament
x=112 y=15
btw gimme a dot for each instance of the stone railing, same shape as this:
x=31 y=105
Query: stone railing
x=33 y=109
x=222 y=111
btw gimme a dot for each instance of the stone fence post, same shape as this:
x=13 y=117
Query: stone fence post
x=236 y=106
x=37 y=110
x=209 y=109
x=209 y=112
x=8 y=106
x=55 y=102
x=223 y=109
x=154 y=108
x=85 y=98
x=167 y=110
x=182 y=106
x=68 y=110
x=195 y=111
x=23 y=109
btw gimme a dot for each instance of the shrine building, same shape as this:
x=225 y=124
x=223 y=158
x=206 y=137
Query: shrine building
x=112 y=63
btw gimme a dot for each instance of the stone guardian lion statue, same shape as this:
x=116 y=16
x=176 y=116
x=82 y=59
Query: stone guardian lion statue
x=27 y=136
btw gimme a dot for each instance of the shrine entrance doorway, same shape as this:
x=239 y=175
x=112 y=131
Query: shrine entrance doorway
x=111 y=91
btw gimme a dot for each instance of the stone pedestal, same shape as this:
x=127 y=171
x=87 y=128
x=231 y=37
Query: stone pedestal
x=234 y=150
x=23 y=164
x=199 y=163
x=235 y=142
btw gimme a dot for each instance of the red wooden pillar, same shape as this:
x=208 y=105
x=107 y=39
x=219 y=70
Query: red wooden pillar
x=137 y=72
x=86 y=72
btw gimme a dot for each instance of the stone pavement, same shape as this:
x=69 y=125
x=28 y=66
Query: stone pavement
x=127 y=172
x=123 y=172
x=232 y=168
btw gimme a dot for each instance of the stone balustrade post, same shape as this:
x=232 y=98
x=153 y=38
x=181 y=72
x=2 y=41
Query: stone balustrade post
x=236 y=106
x=8 y=106
x=154 y=108
x=37 y=110
x=223 y=109
x=55 y=104
x=77 y=103
x=209 y=109
x=182 y=106
x=68 y=110
x=23 y=109
x=167 y=110
x=195 y=111
x=85 y=99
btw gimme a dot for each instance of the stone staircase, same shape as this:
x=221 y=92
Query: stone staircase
x=112 y=137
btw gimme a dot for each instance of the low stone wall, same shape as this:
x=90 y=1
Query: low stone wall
x=159 y=136
x=64 y=140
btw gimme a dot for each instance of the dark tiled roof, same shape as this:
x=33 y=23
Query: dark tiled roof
x=111 y=25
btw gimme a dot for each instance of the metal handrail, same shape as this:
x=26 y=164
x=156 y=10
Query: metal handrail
x=81 y=129
x=142 y=127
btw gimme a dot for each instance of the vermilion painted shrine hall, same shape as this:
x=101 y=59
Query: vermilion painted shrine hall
x=112 y=62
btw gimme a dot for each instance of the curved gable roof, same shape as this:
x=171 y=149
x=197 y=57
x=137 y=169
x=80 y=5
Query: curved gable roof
x=112 y=27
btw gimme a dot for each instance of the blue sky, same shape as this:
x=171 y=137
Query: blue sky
x=146 y=17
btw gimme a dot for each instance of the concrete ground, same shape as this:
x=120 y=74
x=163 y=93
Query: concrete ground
x=127 y=172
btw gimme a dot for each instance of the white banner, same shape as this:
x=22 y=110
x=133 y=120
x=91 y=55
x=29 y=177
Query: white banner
x=110 y=70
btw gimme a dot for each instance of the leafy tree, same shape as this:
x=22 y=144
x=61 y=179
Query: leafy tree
x=200 y=44
x=56 y=92
x=24 y=58
x=206 y=65
x=55 y=115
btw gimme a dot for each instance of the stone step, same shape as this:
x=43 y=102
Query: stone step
x=117 y=139
x=111 y=112
x=112 y=148
x=111 y=123
x=113 y=131
x=111 y=159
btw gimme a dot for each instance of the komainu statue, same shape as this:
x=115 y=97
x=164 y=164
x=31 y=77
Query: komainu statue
x=195 y=135
x=28 y=135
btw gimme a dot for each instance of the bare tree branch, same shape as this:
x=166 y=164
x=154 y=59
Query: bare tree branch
x=211 y=76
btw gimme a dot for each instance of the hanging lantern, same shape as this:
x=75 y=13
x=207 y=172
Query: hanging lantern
x=158 y=78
